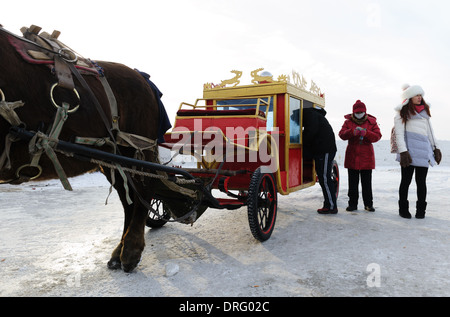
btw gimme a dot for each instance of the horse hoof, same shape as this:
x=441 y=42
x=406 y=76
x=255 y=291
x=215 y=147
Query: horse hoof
x=114 y=265
x=128 y=268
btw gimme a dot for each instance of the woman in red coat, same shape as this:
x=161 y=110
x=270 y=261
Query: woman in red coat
x=361 y=130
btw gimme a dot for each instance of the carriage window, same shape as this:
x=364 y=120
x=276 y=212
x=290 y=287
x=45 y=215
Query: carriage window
x=236 y=104
x=269 y=123
x=241 y=104
x=294 y=115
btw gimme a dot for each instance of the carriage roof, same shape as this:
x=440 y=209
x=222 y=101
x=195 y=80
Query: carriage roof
x=265 y=85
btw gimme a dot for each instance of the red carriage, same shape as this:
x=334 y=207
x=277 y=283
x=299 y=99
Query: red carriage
x=247 y=143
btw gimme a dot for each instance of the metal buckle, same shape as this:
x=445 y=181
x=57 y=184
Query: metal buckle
x=65 y=53
x=29 y=165
x=58 y=106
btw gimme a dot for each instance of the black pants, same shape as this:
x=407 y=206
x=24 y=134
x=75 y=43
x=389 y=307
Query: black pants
x=366 y=185
x=324 y=165
x=421 y=182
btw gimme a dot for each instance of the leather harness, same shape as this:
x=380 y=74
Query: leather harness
x=46 y=49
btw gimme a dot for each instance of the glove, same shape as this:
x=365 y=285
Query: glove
x=405 y=159
x=437 y=155
x=362 y=132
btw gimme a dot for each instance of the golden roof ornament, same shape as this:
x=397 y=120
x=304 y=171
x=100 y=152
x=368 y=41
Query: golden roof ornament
x=315 y=89
x=259 y=76
x=264 y=77
x=283 y=79
x=235 y=80
x=299 y=81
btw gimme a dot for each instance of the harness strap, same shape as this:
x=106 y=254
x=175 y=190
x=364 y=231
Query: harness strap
x=46 y=143
x=5 y=160
x=7 y=112
x=63 y=73
x=99 y=142
x=94 y=99
x=139 y=143
x=60 y=54
x=112 y=103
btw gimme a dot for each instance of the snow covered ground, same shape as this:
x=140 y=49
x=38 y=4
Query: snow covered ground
x=56 y=243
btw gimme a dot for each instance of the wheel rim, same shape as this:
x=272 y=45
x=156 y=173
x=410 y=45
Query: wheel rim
x=267 y=204
x=262 y=205
x=159 y=215
x=158 y=206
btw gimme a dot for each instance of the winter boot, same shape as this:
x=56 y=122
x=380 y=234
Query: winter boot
x=404 y=209
x=327 y=211
x=420 y=209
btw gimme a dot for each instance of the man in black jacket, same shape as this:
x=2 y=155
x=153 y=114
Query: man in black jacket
x=320 y=141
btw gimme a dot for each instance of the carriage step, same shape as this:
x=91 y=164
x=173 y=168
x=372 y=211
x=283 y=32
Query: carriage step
x=230 y=203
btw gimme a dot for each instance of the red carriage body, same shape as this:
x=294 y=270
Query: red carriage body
x=239 y=131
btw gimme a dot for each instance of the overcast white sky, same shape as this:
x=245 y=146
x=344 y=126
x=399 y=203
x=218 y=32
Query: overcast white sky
x=352 y=49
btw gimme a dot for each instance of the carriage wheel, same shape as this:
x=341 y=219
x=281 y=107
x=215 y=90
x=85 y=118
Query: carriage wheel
x=262 y=204
x=161 y=217
x=335 y=177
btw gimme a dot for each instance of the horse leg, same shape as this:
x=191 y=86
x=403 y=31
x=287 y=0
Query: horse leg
x=133 y=241
x=115 y=263
x=128 y=252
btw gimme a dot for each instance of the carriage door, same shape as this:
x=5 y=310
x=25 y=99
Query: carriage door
x=295 y=155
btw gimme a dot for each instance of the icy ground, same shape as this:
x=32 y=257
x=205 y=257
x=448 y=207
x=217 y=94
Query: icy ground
x=56 y=243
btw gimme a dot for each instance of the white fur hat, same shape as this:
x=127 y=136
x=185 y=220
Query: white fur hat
x=409 y=92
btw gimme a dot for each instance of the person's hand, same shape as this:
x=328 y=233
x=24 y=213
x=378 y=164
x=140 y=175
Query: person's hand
x=405 y=159
x=362 y=132
x=437 y=155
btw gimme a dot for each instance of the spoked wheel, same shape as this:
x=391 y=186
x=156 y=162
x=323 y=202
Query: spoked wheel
x=335 y=177
x=262 y=204
x=160 y=218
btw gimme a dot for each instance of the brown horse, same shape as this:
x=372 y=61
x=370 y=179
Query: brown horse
x=138 y=112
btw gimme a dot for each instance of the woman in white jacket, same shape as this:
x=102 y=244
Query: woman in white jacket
x=417 y=147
